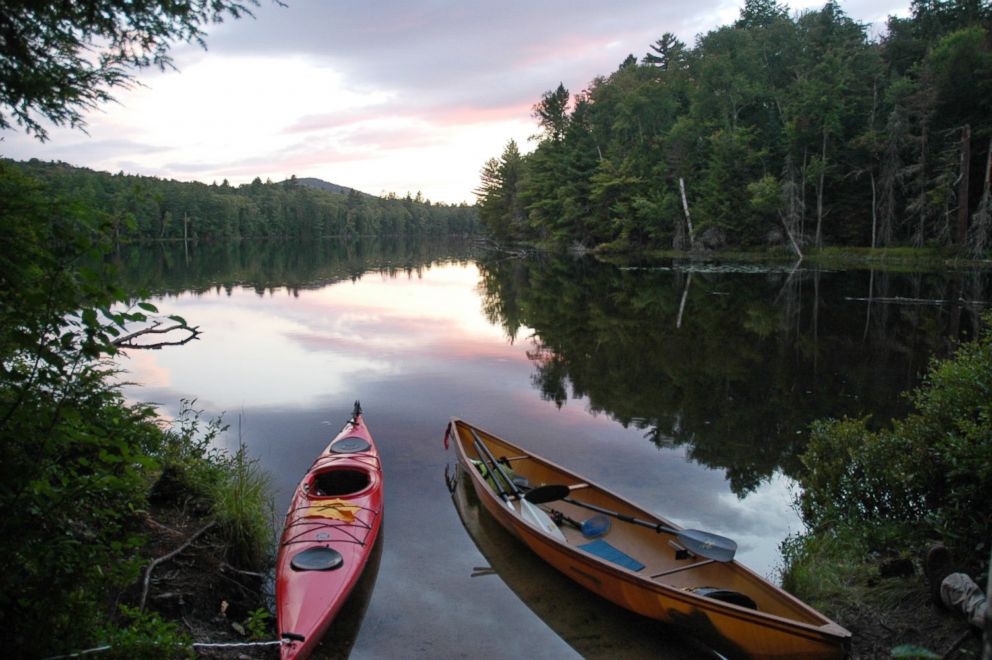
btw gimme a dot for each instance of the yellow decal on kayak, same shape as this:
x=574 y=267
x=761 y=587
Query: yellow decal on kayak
x=336 y=509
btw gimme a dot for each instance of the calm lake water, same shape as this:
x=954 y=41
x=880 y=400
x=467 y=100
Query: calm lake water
x=686 y=387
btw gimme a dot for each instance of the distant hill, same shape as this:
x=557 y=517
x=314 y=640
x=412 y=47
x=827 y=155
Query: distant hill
x=320 y=184
x=298 y=208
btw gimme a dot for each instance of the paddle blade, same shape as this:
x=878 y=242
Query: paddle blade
x=708 y=545
x=549 y=493
x=540 y=519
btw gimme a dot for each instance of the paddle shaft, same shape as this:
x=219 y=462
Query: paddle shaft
x=528 y=511
x=496 y=467
x=705 y=544
x=484 y=454
x=616 y=514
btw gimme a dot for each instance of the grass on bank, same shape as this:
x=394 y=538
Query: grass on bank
x=242 y=505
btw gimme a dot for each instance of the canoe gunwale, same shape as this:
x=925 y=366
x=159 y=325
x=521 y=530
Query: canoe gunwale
x=828 y=632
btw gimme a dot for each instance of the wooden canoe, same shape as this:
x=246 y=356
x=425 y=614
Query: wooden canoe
x=330 y=531
x=593 y=627
x=723 y=603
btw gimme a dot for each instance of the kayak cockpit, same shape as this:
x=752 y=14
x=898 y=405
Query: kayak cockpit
x=338 y=481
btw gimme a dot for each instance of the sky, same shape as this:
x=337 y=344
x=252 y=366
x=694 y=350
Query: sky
x=381 y=95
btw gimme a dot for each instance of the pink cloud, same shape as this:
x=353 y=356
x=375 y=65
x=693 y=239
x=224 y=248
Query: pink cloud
x=329 y=122
x=466 y=114
x=445 y=116
x=569 y=49
x=373 y=138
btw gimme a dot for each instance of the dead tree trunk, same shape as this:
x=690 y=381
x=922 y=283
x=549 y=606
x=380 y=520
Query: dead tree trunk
x=795 y=245
x=963 y=184
x=802 y=195
x=874 y=209
x=978 y=233
x=685 y=208
x=819 y=191
x=920 y=236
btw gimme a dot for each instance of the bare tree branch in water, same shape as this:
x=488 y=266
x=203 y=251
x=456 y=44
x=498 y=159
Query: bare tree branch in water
x=156 y=328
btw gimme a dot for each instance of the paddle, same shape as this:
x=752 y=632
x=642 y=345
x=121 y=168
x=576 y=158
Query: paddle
x=497 y=484
x=528 y=511
x=697 y=542
x=591 y=528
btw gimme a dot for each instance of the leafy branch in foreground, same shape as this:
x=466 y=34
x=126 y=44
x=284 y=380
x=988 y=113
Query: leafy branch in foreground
x=77 y=461
x=60 y=59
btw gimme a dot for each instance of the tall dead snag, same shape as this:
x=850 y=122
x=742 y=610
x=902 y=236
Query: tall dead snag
x=890 y=173
x=978 y=233
x=963 y=184
x=685 y=208
x=819 y=191
x=791 y=213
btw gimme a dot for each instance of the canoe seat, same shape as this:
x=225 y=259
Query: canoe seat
x=727 y=596
x=604 y=550
x=317 y=559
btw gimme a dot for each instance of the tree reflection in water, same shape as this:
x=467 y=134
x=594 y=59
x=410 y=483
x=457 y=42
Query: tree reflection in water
x=731 y=363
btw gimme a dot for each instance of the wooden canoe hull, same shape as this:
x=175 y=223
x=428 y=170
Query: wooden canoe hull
x=338 y=506
x=782 y=626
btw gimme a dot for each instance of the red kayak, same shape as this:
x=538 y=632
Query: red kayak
x=330 y=530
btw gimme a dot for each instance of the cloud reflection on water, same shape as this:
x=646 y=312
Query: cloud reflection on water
x=417 y=350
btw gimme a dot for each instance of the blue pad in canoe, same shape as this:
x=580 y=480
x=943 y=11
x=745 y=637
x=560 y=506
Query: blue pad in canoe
x=604 y=550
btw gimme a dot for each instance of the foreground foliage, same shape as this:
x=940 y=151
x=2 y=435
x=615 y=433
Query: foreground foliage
x=58 y=60
x=78 y=462
x=871 y=497
x=925 y=477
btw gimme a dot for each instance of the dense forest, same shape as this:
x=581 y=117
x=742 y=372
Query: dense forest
x=142 y=207
x=786 y=130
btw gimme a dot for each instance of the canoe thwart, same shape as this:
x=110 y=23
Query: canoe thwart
x=679 y=569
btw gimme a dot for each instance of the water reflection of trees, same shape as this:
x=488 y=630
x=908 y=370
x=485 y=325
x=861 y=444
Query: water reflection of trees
x=731 y=365
x=175 y=267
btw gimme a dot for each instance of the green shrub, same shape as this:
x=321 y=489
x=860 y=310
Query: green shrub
x=927 y=477
x=191 y=463
x=259 y=624
x=145 y=635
